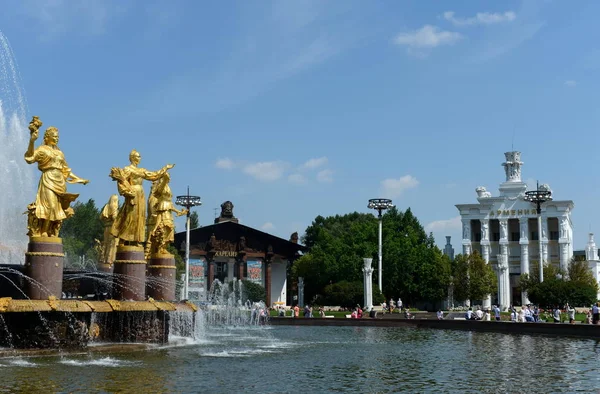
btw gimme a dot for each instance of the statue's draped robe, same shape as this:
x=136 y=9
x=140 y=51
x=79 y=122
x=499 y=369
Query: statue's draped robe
x=164 y=208
x=130 y=224
x=108 y=216
x=52 y=200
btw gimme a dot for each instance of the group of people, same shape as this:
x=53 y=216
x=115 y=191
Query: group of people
x=478 y=314
x=528 y=313
x=389 y=307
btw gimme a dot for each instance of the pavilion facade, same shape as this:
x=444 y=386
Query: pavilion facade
x=504 y=230
x=228 y=250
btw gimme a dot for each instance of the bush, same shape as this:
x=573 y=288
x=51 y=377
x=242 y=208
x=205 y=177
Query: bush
x=345 y=294
x=253 y=291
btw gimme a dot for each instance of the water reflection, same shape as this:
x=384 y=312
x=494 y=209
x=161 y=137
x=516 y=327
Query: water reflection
x=322 y=359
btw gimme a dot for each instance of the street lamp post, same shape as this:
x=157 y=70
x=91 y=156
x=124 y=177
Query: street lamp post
x=380 y=205
x=538 y=197
x=188 y=202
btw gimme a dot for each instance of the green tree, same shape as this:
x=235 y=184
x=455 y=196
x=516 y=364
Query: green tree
x=80 y=231
x=194 y=221
x=413 y=267
x=482 y=278
x=577 y=286
x=460 y=278
x=472 y=277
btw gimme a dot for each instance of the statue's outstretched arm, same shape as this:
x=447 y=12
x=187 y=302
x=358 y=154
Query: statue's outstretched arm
x=72 y=178
x=154 y=175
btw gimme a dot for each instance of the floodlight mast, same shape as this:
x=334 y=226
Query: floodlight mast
x=538 y=197
x=188 y=202
x=380 y=205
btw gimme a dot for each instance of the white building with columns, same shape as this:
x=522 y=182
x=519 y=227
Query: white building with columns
x=504 y=230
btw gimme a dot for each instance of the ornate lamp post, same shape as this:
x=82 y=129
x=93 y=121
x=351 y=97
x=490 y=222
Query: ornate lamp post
x=380 y=205
x=188 y=202
x=538 y=197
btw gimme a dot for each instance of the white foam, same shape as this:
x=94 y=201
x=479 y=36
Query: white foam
x=102 y=362
x=19 y=362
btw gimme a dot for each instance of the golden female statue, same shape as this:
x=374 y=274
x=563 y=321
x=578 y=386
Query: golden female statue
x=130 y=224
x=52 y=202
x=108 y=216
x=163 y=232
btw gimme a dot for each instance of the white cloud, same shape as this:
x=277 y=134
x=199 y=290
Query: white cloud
x=570 y=83
x=225 y=164
x=315 y=163
x=268 y=226
x=427 y=37
x=444 y=226
x=481 y=18
x=267 y=171
x=392 y=188
x=297 y=179
x=325 y=176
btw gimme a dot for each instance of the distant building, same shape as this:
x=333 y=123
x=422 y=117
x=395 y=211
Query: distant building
x=448 y=249
x=591 y=255
x=228 y=250
x=504 y=230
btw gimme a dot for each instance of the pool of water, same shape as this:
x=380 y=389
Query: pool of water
x=318 y=359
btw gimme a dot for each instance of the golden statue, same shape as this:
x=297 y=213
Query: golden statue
x=163 y=231
x=52 y=203
x=109 y=243
x=129 y=227
x=151 y=221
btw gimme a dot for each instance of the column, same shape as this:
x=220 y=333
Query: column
x=485 y=253
x=503 y=267
x=544 y=239
x=211 y=274
x=524 y=242
x=268 y=283
x=241 y=264
x=485 y=239
x=230 y=270
x=563 y=243
x=368 y=284
x=466 y=241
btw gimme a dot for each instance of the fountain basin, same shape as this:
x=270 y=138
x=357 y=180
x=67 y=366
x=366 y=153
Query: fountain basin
x=52 y=323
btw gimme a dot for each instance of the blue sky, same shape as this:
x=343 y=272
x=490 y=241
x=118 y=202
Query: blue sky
x=292 y=109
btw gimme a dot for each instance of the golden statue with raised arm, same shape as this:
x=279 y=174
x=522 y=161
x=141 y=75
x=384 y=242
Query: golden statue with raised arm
x=130 y=224
x=163 y=231
x=52 y=203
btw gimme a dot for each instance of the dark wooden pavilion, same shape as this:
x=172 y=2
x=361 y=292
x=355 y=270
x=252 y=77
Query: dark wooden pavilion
x=227 y=249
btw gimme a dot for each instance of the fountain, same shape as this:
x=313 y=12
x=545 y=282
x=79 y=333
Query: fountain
x=35 y=309
x=16 y=181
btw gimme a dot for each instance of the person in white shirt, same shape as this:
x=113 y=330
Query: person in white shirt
x=399 y=305
x=522 y=315
x=469 y=314
x=479 y=314
x=440 y=315
x=487 y=316
x=528 y=315
x=556 y=315
x=571 y=313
